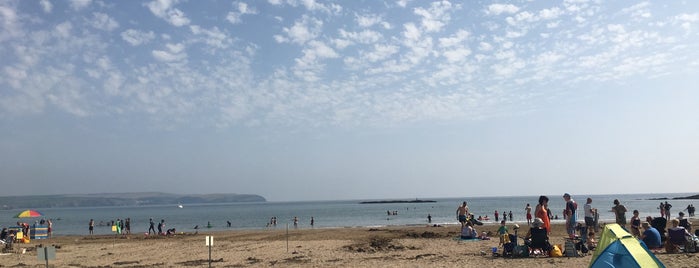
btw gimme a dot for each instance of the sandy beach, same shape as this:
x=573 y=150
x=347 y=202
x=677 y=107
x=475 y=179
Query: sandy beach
x=414 y=246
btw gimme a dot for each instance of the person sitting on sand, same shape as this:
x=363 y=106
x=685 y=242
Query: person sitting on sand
x=468 y=232
x=537 y=236
x=484 y=236
x=591 y=242
x=170 y=231
x=650 y=236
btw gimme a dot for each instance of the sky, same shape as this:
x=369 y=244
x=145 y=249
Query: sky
x=325 y=100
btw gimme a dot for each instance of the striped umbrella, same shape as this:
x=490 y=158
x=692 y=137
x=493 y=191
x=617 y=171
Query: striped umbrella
x=29 y=214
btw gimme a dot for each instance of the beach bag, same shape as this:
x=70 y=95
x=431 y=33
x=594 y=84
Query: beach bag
x=556 y=251
x=521 y=251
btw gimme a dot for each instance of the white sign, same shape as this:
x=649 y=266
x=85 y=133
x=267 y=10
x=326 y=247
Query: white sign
x=210 y=241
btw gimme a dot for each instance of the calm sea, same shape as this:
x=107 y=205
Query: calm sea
x=327 y=214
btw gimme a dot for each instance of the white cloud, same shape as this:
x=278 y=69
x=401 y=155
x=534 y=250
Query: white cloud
x=457 y=55
x=79 y=4
x=136 y=37
x=103 y=22
x=497 y=9
x=380 y=52
x=10 y=26
x=402 y=3
x=638 y=11
x=687 y=20
x=484 y=46
x=312 y=5
x=46 y=6
x=454 y=40
x=164 y=9
x=371 y=20
x=363 y=37
x=212 y=37
x=240 y=10
x=63 y=29
x=175 y=52
x=436 y=16
x=302 y=31
x=550 y=13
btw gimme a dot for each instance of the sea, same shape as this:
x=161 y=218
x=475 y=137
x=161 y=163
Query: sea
x=328 y=214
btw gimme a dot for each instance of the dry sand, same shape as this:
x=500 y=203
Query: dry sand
x=341 y=247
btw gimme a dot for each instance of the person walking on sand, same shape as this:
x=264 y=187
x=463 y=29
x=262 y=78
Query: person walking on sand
x=528 y=209
x=620 y=213
x=541 y=211
x=461 y=213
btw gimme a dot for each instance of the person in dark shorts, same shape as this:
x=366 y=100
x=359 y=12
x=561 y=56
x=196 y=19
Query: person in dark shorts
x=461 y=213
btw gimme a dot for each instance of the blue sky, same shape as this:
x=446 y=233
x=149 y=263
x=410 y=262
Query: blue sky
x=320 y=100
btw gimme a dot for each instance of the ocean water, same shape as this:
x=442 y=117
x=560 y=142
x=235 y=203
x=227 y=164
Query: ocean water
x=328 y=214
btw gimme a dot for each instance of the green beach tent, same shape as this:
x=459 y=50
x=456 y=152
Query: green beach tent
x=618 y=248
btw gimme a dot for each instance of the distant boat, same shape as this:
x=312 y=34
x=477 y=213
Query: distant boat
x=180 y=206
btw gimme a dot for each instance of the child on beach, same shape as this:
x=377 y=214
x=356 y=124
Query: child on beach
x=636 y=224
x=502 y=232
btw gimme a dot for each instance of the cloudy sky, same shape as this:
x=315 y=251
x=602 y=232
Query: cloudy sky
x=320 y=100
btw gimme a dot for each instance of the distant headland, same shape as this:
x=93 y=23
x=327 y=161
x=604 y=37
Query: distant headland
x=121 y=199
x=397 y=201
x=691 y=197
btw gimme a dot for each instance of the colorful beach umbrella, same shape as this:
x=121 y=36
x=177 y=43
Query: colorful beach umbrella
x=28 y=214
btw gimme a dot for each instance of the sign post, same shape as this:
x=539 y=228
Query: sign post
x=209 y=243
x=46 y=254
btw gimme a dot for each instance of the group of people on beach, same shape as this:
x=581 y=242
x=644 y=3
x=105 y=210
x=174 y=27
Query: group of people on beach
x=541 y=223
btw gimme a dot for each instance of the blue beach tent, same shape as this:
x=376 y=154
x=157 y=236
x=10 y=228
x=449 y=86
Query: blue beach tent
x=618 y=248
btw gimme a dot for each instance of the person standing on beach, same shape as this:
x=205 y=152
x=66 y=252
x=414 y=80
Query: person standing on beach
x=496 y=216
x=152 y=226
x=667 y=210
x=91 y=226
x=461 y=213
x=528 y=209
x=313 y=221
x=161 y=225
x=570 y=215
x=589 y=214
x=620 y=213
x=296 y=222
x=127 y=226
x=636 y=224
x=541 y=211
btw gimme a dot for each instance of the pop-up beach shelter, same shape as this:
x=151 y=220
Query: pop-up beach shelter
x=618 y=248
